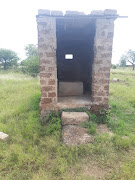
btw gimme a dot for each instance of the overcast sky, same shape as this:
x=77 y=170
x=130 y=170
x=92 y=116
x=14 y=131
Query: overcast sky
x=18 y=22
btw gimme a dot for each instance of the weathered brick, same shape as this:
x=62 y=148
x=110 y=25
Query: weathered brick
x=56 y=13
x=110 y=12
x=105 y=69
x=99 y=62
x=42 y=81
x=104 y=81
x=101 y=48
x=97 y=99
x=42 y=68
x=45 y=61
x=51 y=69
x=103 y=33
x=51 y=54
x=51 y=82
x=109 y=48
x=47 y=75
x=44 y=47
x=44 y=12
x=40 y=40
x=44 y=94
x=105 y=99
x=106 y=87
x=46 y=100
x=47 y=88
x=106 y=55
x=51 y=94
x=105 y=27
x=110 y=35
x=41 y=55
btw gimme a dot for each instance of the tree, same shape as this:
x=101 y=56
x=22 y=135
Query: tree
x=123 y=61
x=31 y=51
x=129 y=57
x=31 y=64
x=8 y=58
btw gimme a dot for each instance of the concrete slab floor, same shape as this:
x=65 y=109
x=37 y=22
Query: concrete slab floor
x=74 y=101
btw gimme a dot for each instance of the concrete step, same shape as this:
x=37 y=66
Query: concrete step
x=75 y=135
x=74 y=118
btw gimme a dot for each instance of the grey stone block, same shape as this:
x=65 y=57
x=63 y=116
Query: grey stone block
x=74 y=13
x=44 y=12
x=56 y=13
x=110 y=12
x=74 y=118
x=75 y=135
x=97 y=12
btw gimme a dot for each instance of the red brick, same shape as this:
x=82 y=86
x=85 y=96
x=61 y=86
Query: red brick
x=42 y=82
x=51 y=82
x=46 y=100
x=51 y=94
x=45 y=62
x=104 y=81
x=106 y=87
x=42 y=68
x=51 y=54
x=44 y=94
x=47 y=75
x=47 y=88
x=106 y=99
x=51 y=68
x=97 y=99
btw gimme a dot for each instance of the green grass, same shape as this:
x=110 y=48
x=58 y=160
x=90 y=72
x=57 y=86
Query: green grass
x=35 y=150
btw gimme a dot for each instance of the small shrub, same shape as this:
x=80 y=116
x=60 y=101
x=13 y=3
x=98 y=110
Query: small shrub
x=53 y=123
x=113 y=66
x=92 y=128
x=102 y=118
x=121 y=143
x=90 y=125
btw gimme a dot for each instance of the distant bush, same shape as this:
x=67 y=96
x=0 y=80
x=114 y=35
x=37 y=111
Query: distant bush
x=31 y=64
x=114 y=66
x=8 y=59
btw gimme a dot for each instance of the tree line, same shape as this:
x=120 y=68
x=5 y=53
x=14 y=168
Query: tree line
x=128 y=57
x=30 y=65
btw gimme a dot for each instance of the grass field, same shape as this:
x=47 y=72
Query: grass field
x=35 y=151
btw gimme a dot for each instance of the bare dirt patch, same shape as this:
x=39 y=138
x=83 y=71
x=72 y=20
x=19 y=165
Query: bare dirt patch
x=102 y=128
x=94 y=171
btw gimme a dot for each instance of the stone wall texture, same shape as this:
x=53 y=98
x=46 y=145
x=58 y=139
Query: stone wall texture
x=102 y=61
x=47 y=60
x=102 y=48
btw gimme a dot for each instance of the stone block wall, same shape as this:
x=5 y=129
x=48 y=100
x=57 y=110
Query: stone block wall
x=47 y=45
x=47 y=60
x=102 y=61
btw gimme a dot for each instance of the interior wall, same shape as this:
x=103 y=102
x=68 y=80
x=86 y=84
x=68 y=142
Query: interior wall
x=75 y=36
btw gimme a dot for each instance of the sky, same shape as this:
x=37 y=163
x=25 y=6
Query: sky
x=18 y=25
